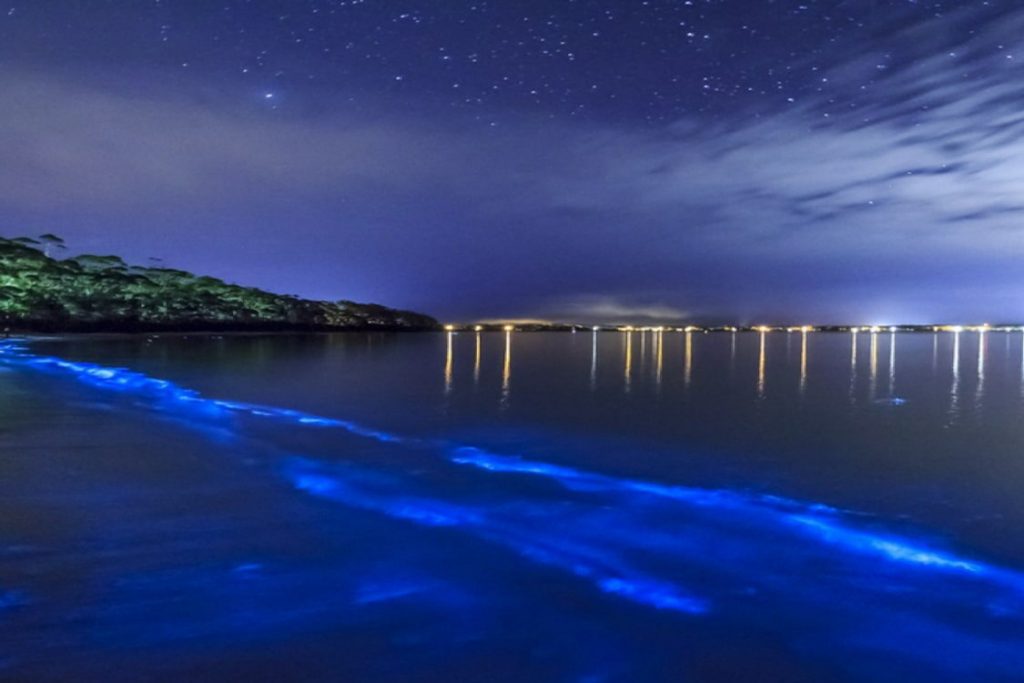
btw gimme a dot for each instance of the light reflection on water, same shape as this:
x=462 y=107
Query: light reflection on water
x=853 y=366
x=506 y=373
x=803 y=363
x=892 y=364
x=873 y=367
x=688 y=361
x=652 y=359
x=628 y=352
x=449 y=361
x=659 y=341
x=761 y=363
x=476 y=360
x=954 y=392
x=593 y=360
x=732 y=355
x=979 y=389
x=634 y=349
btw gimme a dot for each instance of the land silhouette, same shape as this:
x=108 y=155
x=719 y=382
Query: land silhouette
x=100 y=293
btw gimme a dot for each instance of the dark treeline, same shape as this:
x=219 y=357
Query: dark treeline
x=91 y=293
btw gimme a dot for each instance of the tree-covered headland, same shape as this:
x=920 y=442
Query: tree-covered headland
x=89 y=293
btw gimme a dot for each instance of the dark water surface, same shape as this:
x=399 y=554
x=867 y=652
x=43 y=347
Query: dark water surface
x=521 y=507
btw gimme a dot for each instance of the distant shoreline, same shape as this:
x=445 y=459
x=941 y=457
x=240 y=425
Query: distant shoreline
x=698 y=329
x=100 y=332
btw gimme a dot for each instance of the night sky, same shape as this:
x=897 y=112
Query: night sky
x=832 y=161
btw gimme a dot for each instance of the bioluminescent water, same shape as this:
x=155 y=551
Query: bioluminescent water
x=489 y=507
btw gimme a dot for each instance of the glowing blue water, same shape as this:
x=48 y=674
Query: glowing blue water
x=120 y=379
x=707 y=555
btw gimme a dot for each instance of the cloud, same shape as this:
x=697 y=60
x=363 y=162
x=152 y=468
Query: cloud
x=77 y=142
x=611 y=309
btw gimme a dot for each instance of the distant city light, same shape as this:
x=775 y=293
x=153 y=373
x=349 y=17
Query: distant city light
x=803 y=329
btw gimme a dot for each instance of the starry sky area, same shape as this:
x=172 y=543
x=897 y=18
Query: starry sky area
x=600 y=161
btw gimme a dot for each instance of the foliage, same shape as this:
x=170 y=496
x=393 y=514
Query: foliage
x=90 y=292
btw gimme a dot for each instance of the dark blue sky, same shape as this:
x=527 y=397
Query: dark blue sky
x=805 y=161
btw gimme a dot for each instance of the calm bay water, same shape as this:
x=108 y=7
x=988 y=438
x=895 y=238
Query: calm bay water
x=513 y=507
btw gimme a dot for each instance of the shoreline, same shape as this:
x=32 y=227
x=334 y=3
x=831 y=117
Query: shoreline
x=29 y=336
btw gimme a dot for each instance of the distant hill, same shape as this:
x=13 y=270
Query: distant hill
x=91 y=293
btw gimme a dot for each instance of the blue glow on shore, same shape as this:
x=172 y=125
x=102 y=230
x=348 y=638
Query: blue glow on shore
x=377 y=591
x=579 y=480
x=600 y=568
x=891 y=401
x=894 y=549
x=137 y=383
x=424 y=512
x=11 y=598
x=821 y=520
x=826 y=526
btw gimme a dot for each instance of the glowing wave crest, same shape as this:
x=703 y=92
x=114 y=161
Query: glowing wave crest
x=820 y=523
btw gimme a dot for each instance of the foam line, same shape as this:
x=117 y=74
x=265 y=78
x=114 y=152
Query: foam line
x=820 y=521
x=603 y=571
x=128 y=381
x=890 y=548
x=579 y=480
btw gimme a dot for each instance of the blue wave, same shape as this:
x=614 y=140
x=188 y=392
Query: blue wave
x=601 y=568
x=136 y=383
x=825 y=526
x=821 y=521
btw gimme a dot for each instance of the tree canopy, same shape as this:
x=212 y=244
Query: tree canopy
x=101 y=292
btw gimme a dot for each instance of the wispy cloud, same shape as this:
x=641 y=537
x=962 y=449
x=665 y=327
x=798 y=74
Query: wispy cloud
x=610 y=309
